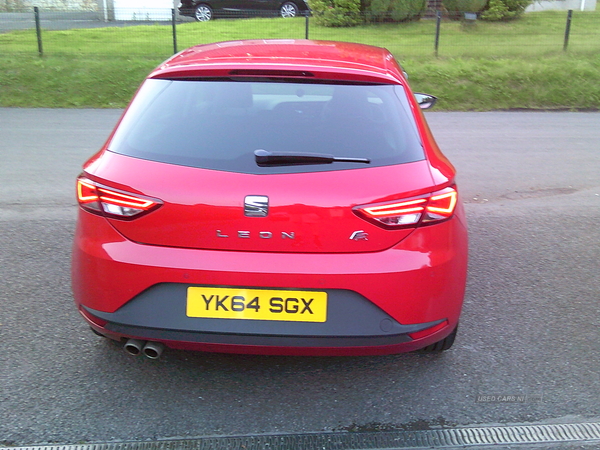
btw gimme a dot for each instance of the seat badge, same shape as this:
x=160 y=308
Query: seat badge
x=256 y=206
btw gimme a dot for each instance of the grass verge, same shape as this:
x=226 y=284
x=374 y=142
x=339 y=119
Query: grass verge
x=70 y=81
x=488 y=66
x=462 y=84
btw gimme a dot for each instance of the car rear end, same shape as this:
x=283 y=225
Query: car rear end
x=275 y=198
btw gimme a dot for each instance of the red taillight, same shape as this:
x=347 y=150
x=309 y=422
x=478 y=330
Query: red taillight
x=441 y=205
x=428 y=209
x=113 y=203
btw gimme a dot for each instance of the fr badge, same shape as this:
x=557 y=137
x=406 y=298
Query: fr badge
x=359 y=236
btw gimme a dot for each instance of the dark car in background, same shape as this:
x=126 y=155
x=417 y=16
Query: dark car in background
x=204 y=10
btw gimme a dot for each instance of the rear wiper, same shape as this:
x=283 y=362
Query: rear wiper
x=264 y=158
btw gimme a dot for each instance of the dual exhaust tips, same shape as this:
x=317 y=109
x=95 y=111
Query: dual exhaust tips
x=150 y=349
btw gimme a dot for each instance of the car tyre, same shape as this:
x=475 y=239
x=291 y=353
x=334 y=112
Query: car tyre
x=203 y=13
x=288 y=9
x=442 y=345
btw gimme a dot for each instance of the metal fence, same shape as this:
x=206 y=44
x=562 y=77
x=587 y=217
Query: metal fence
x=158 y=33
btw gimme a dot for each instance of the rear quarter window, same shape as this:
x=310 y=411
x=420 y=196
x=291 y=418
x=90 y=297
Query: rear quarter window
x=219 y=124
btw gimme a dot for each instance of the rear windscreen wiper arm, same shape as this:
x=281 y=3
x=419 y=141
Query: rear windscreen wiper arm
x=264 y=158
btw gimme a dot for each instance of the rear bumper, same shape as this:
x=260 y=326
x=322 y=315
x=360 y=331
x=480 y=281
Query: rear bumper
x=269 y=345
x=125 y=289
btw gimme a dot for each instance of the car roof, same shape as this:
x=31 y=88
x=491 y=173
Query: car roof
x=278 y=58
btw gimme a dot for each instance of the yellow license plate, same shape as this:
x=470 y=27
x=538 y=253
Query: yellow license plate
x=256 y=304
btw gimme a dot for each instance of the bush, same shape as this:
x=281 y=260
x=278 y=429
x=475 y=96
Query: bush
x=504 y=9
x=348 y=13
x=456 y=8
x=394 y=10
x=336 y=13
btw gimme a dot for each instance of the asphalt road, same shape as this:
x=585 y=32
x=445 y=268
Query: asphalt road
x=531 y=182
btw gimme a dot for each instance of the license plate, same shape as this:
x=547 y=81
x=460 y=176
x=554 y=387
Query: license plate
x=256 y=304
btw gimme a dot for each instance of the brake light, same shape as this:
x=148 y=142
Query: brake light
x=114 y=203
x=429 y=209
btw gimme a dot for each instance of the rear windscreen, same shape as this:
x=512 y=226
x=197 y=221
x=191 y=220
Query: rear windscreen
x=219 y=124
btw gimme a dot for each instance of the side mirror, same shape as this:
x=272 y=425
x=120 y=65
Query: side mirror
x=425 y=101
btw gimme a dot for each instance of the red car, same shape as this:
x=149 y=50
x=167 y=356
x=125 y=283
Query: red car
x=272 y=197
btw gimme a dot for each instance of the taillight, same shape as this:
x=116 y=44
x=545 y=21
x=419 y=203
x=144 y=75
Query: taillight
x=114 y=203
x=428 y=209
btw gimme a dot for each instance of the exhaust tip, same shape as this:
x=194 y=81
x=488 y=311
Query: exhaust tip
x=133 y=346
x=153 y=350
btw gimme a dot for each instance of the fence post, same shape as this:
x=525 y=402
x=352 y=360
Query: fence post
x=174 y=30
x=438 y=24
x=306 y=26
x=568 y=29
x=38 y=30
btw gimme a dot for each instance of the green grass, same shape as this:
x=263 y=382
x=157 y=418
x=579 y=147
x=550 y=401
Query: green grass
x=532 y=35
x=483 y=84
x=71 y=81
x=486 y=66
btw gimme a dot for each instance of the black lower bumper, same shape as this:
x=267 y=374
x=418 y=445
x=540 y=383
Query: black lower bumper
x=159 y=313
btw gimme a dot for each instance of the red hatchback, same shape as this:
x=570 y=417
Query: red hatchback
x=273 y=197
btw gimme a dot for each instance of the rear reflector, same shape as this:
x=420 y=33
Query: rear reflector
x=95 y=320
x=428 y=209
x=428 y=331
x=114 y=203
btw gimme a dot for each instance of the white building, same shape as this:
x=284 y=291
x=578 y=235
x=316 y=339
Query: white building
x=145 y=10
x=562 y=5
